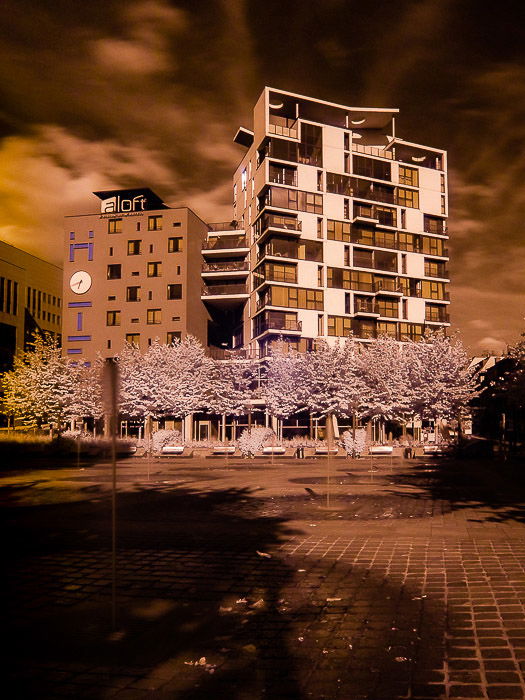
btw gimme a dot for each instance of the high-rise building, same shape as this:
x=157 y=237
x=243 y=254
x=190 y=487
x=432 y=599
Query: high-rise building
x=131 y=272
x=346 y=227
x=30 y=301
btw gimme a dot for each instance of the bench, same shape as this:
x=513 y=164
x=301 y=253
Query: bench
x=324 y=450
x=436 y=450
x=380 y=450
x=172 y=450
x=277 y=450
x=224 y=450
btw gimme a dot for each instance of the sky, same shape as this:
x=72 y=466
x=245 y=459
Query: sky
x=106 y=94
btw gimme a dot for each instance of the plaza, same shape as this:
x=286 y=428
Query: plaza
x=241 y=579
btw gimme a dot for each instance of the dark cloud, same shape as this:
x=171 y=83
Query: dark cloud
x=105 y=94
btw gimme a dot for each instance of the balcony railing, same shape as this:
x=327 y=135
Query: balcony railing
x=235 y=266
x=273 y=324
x=437 y=318
x=387 y=286
x=289 y=223
x=283 y=176
x=225 y=243
x=372 y=151
x=282 y=126
x=224 y=289
x=442 y=273
x=225 y=226
x=435 y=227
x=365 y=307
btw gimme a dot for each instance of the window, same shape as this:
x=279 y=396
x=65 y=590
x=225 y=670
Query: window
x=138 y=225
x=443 y=205
x=154 y=316
x=369 y=167
x=295 y=298
x=114 y=272
x=115 y=226
x=111 y=251
x=411 y=331
x=433 y=290
x=407 y=198
x=244 y=180
x=443 y=183
x=436 y=313
x=174 y=291
x=134 y=247
x=434 y=268
x=339 y=326
x=175 y=244
x=294 y=199
x=347 y=303
x=408 y=176
x=319 y=227
x=347 y=162
x=387 y=328
x=346 y=141
x=320 y=277
x=132 y=293
x=432 y=246
x=154 y=269
x=172 y=336
x=346 y=256
x=338 y=230
x=320 y=325
x=434 y=224
x=155 y=223
x=133 y=339
x=319 y=180
x=404 y=308
x=283 y=174
x=388 y=307
x=346 y=207
x=113 y=318
x=277 y=272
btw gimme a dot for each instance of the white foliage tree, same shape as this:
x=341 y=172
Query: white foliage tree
x=231 y=387
x=441 y=384
x=284 y=391
x=41 y=386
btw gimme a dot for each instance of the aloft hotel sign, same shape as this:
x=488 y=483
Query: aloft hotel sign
x=129 y=201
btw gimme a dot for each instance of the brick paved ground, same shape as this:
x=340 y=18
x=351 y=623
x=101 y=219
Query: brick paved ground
x=238 y=580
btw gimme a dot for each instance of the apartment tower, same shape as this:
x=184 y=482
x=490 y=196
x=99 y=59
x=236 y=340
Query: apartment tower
x=345 y=227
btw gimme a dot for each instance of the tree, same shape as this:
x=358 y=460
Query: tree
x=231 y=387
x=87 y=399
x=41 y=386
x=441 y=383
x=284 y=378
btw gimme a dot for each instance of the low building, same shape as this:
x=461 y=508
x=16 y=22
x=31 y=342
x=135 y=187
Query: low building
x=30 y=301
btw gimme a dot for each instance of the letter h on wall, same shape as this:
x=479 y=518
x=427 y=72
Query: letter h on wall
x=80 y=246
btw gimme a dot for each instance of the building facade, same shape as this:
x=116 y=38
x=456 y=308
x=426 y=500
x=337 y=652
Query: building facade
x=30 y=301
x=345 y=225
x=131 y=273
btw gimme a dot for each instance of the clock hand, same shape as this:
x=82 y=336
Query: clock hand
x=78 y=285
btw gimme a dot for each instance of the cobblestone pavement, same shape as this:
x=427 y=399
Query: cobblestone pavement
x=241 y=579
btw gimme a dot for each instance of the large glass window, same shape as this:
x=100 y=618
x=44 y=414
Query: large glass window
x=175 y=244
x=407 y=198
x=114 y=225
x=338 y=230
x=388 y=307
x=132 y=293
x=408 y=176
x=295 y=297
x=339 y=326
x=134 y=247
x=154 y=269
x=369 y=167
x=294 y=199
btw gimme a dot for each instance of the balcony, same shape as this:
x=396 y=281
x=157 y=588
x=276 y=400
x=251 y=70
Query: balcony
x=282 y=175
x=225 y=226
x=283 y=126
x=278 y=325
x=366 y=307
x=442 y=317
x=372 y=151
x=237 y=266
x=390 y=286
x=225 y=245
x=224 y=291
x=439 y=228
x=442 y=273
x=277 y=223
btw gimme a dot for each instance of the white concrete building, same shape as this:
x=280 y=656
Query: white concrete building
x=339 y=227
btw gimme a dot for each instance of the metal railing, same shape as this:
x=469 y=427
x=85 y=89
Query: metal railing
x=365 y=307
x=282 y=126
x=372 y=151
x=225 y=226
x=437 y=318
x=278 y=325
x=224 y=289
x=288 y=223
x=235 y=266
x=223 y=243
x=442 y=273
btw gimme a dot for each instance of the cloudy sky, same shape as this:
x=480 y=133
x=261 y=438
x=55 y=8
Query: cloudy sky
x=105 y=94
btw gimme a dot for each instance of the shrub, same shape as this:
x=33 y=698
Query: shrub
x=354 y=447
x=252 y=441
x=165 y=437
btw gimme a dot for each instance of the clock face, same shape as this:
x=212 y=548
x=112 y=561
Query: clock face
x=80 y=282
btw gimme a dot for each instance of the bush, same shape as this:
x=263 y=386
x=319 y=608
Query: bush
x=165 y=437
x=252 y=441
x=354 y=447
